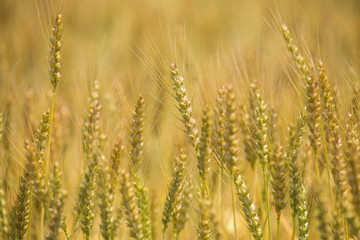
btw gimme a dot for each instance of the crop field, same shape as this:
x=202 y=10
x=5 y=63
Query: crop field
x=169 y=119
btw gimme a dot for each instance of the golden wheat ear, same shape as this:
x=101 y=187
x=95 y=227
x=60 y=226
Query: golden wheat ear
x=295 y=53
x=55 y=55
x=353 y=164
x=137 y=135
x=259 y=129
x=181 y=209
x=130 y=206
x=204 y=147
x=294 y=141
x=279 y=174
x=20 y=213
x=92 y=142
x=231 y=129
x=246 y=125
x=313 y=95
x=248 y=207
x=106 y=197
x=218 y=141
x=185 y=107
x=56 y=204
x=109 y=183
x=177 y=179
x=303 y=214
x=204 y=229
x=279 y=181
x=143 y=203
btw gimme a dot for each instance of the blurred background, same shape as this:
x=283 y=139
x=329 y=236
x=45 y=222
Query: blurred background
x=129 y=45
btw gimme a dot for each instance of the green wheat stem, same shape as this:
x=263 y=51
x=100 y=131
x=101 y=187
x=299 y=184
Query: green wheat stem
x=265 y=177
x=78 y=231
x=233 y=204
x=42 y=217
x=30 y=214
x=317 y=165
x=219 y=191
x=219 y=187
x=346 y=227
x=174 y=235
x=294 y=227
x=278 y=227
x=66 y=233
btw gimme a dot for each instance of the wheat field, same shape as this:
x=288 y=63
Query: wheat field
x=158 y=119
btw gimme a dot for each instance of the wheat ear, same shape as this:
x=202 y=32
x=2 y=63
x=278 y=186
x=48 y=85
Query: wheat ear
x=20 y=213
x=56 y=204
x=92 y=141
x=137 y=135
x=248 y=207
x=177 y=179
x=55 y=55
x=279 y=174
x=185 y=106
x=130 y=206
